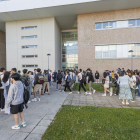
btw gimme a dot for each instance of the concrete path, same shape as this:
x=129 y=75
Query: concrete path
x=38 y=117
x=98 y=100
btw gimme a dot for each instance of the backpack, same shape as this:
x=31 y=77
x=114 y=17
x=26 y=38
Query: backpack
x=46 y=78
x=103 y=81
x=26 y=82
x=59 y=76
x=84 y=78
x=40 y=79
x=0 y=81
x=68 y=78
x=26 y=97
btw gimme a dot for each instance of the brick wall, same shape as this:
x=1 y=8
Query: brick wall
x=88 y=37
x=2 y=50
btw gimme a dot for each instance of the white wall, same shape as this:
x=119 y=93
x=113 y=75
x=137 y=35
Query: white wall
x=46 y=42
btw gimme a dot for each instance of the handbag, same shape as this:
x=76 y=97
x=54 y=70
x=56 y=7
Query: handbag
x=7 y=87
x=132 y=85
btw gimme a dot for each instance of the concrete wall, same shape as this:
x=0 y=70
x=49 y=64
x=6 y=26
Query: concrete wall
x=46 y=42
x=2 y=50
x=88 y=37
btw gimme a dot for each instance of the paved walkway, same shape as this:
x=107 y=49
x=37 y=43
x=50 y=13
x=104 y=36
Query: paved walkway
x=38 y=116
x=98 y=100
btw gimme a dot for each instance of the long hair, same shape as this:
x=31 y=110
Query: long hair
x=6 y=76
x=131 y=73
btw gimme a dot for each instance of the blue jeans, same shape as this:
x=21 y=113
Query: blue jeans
x=138 y=90
x=30 y=89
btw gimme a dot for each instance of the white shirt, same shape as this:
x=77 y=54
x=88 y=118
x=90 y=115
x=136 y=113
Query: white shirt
x=71 y=75
x=80 y=75
x=66 y=77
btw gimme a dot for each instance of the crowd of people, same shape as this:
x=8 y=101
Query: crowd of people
x=127 y=84
x=13 y=85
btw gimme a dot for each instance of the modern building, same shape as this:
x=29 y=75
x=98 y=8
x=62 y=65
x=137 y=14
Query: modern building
x=96 y=34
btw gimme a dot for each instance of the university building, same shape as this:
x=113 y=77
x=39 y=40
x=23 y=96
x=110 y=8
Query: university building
x=96 y=34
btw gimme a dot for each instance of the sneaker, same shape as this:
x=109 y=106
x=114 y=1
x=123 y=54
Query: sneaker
x=86 y=93
x=110 y=93
x=103 y=94
x=123 y=103
x=94 y=91
x=78 y=92
x=89 y=93
x=34 y=100
x=39 y=99
x=24 y=124
x=70 y=92
x=29 y=102
x=115 y=94
x=16 y=127
x=2 y=110
x=127 y=103
x=60 y=90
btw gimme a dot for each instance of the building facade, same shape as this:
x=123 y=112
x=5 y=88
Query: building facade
x=99 y=36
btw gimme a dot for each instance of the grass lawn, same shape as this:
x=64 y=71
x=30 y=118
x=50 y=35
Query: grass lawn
x=96 y=86
x=94 y=123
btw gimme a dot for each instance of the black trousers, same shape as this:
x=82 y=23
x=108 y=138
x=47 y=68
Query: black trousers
x=117 y=90
x=67 y=86
x=81 y=85
x=2 y=99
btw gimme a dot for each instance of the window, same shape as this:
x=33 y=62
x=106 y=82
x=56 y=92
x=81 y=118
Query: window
x=29 y=37
x=112 y=25
x=29 y=56
x=138 y=22
x=28 y=28
x=131 y=23
x=29 y=66
x=27 y=47
x=98 y=26
x=117 y=51
x=105 y=25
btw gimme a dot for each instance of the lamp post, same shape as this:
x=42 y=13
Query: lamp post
x=48 y=59
x=131 y=51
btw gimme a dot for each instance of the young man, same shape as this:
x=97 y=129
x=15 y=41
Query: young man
x=14 y=70
x=59 y=80
x=37 y=85
x=34 y=72
x=81 y=82
x=15 y=100
x=2 y=100
x=46 y=82
x=89 y=81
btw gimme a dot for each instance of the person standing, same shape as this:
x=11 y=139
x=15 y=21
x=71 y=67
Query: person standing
x=38 y=84
x=67 y=79
x=97 y=76
x=125 y=91
x=14 y=70
x=46 y=82
x=2 y=100
x=89 y=81
x=70 y=74
x=34 y=72
x=59 y=80
x=6 y=85
x=132 y=85
x=55 y=74
x=106 y=85
x=15 y=100
x=81 y=82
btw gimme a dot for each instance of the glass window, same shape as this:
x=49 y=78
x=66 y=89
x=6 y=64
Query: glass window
x=29 y=56
x=133 y=48
x=28 y=28
x=105 y=25
x=98 y=26
x=98 y=52
x=138 y=50
x=29 y=37
x=112 y=50
x=29 y=65
x=27 y=47
x=112 y=24
x=105 y=54
x=138 y=22
x=131 y=23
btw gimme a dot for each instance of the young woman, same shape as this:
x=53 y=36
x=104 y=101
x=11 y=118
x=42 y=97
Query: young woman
x=5 y=84
x=106 y=85
x=132 y=85
x=97 y=76
x=67 y=82
x=125 y=92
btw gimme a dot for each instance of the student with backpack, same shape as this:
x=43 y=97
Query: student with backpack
x=15 y=100
x=67 y=79
x=6 y=85
x=59 y=80
x=2 y=100
x=81 y=82
x=14 y=70
x=39 y=80
x=46 y=82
